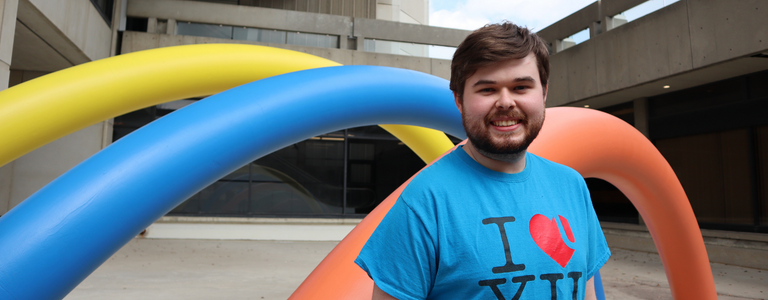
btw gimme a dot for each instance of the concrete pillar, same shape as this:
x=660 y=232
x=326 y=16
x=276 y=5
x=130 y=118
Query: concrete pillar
x=595 y=29
x=357 y=35
x=388 y=10
x=118 y=21
x=8 y=11
x=27 y=174
x=171 y=27
x=360 y=43
x=613 y=22
x=36 y=169
x=563 y=44
x=6 y=182
x=641 y=115
x=152 y=25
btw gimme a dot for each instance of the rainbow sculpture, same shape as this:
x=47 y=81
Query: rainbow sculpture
x=54 y=239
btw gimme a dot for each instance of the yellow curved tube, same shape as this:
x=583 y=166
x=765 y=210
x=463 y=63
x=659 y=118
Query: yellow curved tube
x=428 y=144
x=44 y=109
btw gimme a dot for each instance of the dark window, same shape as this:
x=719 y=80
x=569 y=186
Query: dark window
x=303 y=179
x=610 y=203
x=715 y=138
x=378 y=164
x=258 y=35
x=714 y=169
x=105 y=9
x=761 y=141
x=136 y=24
x=206 y=30
x=624 y=111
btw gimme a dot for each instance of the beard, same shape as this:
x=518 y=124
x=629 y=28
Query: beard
x=501 y=146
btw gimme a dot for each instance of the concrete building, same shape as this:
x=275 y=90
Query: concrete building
x=691 y=76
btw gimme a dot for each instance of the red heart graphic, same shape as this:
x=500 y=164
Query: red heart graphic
x=547 y=236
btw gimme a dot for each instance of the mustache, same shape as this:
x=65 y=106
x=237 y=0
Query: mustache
x=514 y=114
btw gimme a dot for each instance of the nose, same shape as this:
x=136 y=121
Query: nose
x=506 y=100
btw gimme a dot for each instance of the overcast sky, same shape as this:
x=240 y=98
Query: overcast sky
x=472 y=14
x=535 y=14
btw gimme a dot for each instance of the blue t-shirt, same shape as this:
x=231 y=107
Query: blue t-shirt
x=462 y=231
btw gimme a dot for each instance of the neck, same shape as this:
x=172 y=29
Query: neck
x=505 y=163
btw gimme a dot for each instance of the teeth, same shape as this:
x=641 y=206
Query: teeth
x=505 y=123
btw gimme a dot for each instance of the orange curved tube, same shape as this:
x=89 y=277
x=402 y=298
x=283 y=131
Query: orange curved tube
x=597 y=145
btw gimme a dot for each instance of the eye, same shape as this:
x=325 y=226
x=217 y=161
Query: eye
x=486 y=90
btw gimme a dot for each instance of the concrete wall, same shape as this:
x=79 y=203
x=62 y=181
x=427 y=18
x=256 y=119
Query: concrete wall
x=588 y=17
x=415 y=10
x=410 y=33
x=722 y=30
x=36 y=169
x=683 y=37
x=405 y=11
x=8 y=10
x=6 y=181
x=37 y=37
x=22 y=177
x=609 y=8
x=211 y=13
x=571 y=24
x=72 y=27
x=349 y=8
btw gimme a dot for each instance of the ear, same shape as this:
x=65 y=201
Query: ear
x=546 y=91
x=457 y=99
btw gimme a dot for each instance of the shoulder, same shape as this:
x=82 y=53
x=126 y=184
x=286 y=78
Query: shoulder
x=549 y=165
x=446 y=167
x=552 y=168
x=559 y=177
x=436 y=179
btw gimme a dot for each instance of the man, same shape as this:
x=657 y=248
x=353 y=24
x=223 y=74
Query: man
x=489 y=220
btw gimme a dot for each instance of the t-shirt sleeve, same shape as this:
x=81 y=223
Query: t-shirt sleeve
x=400 y=255
x=598 y=247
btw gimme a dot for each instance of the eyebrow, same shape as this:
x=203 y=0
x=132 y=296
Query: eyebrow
x=518 y=79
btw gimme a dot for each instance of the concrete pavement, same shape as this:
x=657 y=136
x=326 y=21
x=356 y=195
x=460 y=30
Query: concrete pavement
x=215 y=269
x=631 y=275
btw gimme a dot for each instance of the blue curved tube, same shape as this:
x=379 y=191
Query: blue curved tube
x=599 y=291
x=53 y=240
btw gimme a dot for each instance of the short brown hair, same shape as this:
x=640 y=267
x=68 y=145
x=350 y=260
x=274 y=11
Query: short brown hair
x=495 y=43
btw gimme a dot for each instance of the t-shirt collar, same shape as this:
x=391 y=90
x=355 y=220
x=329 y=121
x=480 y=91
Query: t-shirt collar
x=501 y=176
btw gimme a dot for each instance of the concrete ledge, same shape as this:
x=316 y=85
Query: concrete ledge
x=260 y=17
x=137 y=41
x=239 y=15
x=571 y=24
x=744 y=249
x=733 y=248
x=265 y=229
x=277 y=221
x=413 y=33
x=615 y=7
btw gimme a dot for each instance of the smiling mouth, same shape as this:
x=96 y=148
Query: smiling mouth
x=505 y=123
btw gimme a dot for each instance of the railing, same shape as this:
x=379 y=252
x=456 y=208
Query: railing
x=352 y=33
x=596 y=18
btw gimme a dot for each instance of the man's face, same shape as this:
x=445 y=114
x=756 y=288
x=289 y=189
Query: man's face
x=503 y=106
